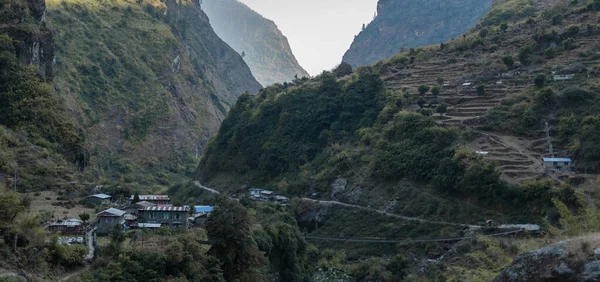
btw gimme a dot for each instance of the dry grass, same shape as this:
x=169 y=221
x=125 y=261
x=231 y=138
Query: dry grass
x=43 y=203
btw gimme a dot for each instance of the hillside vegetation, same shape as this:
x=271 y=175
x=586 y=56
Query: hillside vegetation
x=262 y=45
x=400 y=137
x=149 y=81
x=400 y=25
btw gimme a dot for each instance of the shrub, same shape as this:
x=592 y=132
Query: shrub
x=540 y=80
x=436 y=90
x=546 y=98
x=508 y=61
x=481 y=90
x=423 y=89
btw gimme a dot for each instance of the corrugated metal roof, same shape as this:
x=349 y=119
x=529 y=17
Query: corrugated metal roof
x=151 y=197
x=199 y=209
x=560 y=160
x=101 y=196
x=167 y=209
x=149 y=225
x=112 y=212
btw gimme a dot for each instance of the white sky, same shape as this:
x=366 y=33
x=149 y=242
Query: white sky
x=319 y=31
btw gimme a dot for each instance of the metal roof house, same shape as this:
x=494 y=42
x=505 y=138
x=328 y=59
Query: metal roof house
x=154 y=199
x=203 y=209
x=67 y=226
x=108 y=219
x=99 y=199
x=557 y=163
x=166 y=215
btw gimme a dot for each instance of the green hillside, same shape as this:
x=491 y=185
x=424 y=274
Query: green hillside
x=149 y=81
x=265 y=48
x=454 y=132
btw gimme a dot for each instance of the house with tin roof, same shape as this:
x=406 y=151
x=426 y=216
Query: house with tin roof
x=154 y=199
x=108 y=219
x=558 y=163
x=165 y=215
x=99 y=199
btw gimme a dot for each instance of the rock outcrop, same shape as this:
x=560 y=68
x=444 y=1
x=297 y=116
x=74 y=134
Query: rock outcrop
x=26 y=24
x=574 y=261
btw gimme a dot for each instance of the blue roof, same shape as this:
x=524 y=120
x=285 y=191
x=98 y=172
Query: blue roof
x=559 y=160
x=199 y=209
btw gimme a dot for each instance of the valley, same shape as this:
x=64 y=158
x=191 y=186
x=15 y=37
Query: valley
x=137 y=144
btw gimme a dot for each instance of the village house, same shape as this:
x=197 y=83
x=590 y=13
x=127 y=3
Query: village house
x=154 y=199
x=68 y=226
x=165 y=215
x=108 y=219
x=99 y=199
x=135 y=208
x=558 y=163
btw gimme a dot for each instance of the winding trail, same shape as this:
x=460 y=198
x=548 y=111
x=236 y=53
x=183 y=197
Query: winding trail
x=393 y=215
x=197 y=183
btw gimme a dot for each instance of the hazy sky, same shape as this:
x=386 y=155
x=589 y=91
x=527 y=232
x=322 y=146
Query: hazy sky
x=319 y=31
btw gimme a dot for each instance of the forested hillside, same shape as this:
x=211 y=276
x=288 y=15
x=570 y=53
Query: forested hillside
x=445 y=134
x=149 y=81
x=408 y=24
x=263 y=46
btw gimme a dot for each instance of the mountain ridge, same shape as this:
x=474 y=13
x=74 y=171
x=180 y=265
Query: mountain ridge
x=265 y=48
x=420 y=23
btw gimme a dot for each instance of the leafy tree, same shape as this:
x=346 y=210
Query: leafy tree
x=423 y=89
x=84 y=217
x=481 y=90
x=230 y=234
x=503 y=27
x=421 y=101
x=508 y=61
x=546 y=98
x=136 y=198
x=436 y=90
x=540 y=80
x=441 y=109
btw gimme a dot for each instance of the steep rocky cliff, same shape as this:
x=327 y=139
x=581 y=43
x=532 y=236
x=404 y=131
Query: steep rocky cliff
x=265 y=48
x=409 y=24
x=149 y=80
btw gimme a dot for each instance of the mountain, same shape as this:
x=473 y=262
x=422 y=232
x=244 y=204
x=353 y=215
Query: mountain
x=409 y=24
x=266 y=50
x=149 y=81
x=437 y=143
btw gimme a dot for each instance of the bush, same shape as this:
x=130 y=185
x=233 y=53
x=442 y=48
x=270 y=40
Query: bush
x=435 y=90
x=423 y=89
x=481 y=90
x=540 y=80
x=508 y=61
x=546 y=98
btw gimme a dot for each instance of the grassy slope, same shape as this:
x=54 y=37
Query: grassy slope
x=150 y=81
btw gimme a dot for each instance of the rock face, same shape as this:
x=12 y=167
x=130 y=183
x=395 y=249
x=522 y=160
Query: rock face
x=265 y=49
x=26 y=24
x=567 y=261
x=409 y=24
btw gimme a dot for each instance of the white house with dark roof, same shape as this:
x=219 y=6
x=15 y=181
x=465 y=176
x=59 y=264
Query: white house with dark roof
x=108 y=219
